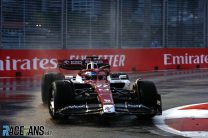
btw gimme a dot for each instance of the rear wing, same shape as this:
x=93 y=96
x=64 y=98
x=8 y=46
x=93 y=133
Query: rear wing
x=70 y=64
x=81 y=64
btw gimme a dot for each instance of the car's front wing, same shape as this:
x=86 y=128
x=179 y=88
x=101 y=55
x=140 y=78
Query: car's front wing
x=120 y=108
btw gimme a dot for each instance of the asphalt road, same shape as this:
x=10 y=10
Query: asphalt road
x=22 y=106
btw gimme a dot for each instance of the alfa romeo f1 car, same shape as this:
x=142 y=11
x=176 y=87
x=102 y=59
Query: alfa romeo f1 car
x=95 y=90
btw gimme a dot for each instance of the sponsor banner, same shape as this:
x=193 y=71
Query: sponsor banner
x=36 y=62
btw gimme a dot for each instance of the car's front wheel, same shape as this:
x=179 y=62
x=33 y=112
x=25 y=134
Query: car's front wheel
x=46 y=81
x=147 y=95
x=60 y=95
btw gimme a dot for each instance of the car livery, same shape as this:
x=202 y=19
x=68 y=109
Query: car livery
x=95 y=90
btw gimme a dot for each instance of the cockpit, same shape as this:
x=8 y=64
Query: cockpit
x=90 y=75
x=92 y=72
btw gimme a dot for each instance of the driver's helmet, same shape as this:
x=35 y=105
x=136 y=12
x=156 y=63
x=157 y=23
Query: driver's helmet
x=90 y=75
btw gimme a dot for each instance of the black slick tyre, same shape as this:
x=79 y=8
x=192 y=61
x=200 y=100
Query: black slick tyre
x=147 y=95
x=46 y=81
x=60 y=95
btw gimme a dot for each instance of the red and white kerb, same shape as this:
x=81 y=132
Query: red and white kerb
x=189 y=120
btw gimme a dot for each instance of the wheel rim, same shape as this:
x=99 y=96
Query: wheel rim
x=52 y=102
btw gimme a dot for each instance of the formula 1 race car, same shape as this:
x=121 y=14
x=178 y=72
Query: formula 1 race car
x=95 y=90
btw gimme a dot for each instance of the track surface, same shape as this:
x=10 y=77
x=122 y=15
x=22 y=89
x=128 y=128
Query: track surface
x=22 y=106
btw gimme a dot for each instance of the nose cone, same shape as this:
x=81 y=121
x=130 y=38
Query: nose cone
x=104 y=93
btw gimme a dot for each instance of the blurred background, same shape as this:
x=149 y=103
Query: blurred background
x=117 y=24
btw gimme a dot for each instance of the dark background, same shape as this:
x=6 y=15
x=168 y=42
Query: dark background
x=68 y=24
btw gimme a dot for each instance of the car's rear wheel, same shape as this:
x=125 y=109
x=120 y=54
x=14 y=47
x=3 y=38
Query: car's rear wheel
x=46 y=81
x=147 y=95
x=60 y=95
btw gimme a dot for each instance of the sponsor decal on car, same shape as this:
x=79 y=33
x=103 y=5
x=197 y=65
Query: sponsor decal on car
x=76 y=62
x=134 y=106
x=108 y=108
x=74 y=107
x=107 y=101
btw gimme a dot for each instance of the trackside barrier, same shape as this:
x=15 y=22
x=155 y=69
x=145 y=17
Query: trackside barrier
x=185 y=74
x=16 y=63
